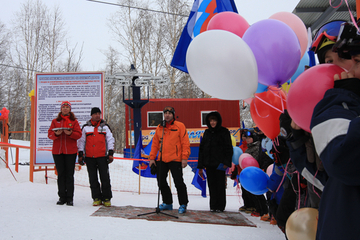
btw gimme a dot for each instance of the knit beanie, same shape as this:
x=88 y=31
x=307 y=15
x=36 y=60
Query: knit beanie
x=65 y=103
x=95 y=110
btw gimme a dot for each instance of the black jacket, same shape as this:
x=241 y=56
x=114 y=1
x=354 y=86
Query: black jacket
x=215 y=146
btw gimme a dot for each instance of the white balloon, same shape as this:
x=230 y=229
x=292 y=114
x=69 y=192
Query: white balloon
x=222 y=65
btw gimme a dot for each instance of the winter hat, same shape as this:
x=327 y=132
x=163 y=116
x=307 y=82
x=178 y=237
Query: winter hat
x=169 y=109
x=95 y=110
x=65 y=103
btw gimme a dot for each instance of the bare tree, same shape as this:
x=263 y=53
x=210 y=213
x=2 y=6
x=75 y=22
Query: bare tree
x=38 y=35
x=73 y=61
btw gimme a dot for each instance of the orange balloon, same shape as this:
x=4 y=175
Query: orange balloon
x=265 y=110
x=302 y=224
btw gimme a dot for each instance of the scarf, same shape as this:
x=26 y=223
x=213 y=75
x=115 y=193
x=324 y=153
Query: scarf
x=95 y=124
x=67 y=121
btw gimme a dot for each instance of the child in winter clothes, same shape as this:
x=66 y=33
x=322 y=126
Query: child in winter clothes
x=250 y=200
x=335 y=126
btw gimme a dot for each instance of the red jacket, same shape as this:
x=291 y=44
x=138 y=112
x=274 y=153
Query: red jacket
x=64 y=144
x=176 y=144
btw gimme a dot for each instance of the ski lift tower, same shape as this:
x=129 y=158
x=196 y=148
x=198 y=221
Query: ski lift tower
x=135 y=81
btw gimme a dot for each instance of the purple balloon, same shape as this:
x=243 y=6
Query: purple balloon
x=276 y=49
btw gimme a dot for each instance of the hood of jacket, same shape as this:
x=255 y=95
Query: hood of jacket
x=218 y=117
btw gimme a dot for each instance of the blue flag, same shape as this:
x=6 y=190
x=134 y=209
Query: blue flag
x=200 y=15
x=199 y=182
x=140 y=153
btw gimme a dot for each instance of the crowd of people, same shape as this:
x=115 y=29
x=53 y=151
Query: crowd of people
x=317 y=169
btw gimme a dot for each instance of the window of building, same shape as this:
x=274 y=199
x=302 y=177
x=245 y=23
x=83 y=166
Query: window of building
x=203 y=117
x=154 y=118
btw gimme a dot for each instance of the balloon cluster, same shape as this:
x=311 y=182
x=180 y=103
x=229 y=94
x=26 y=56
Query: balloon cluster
x=4 y=113
x=233 y=60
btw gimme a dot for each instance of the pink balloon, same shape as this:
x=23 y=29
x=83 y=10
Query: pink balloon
x=297 y=25
x=242 y=156
x=248 y=100
x=269 y=169
x=229 y=21
x=249 y=162
x=308 y=89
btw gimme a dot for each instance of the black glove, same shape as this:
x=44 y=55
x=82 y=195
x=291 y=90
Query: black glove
x=110 y=157
x=80 y=158
x=153 y=169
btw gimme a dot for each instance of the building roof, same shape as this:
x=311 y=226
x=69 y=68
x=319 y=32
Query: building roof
x=314 y=13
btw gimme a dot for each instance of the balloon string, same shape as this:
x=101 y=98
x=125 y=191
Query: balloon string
x=257 y=112
x=285 y=172
x=280 y=96
x=351 y=15
x=269 y=105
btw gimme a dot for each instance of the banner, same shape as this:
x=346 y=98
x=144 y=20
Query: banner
x=84 y=90
x=141 y=153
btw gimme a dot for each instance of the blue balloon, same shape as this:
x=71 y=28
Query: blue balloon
x=236 y=154
x=305 y=60
x=254 y=180
x=261 y=88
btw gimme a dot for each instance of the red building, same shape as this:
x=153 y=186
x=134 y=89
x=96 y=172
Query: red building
x=191 y=112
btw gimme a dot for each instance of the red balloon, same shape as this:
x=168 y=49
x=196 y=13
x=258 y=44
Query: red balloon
x=308 y=89
x=229 y=21
x=249 y=162
x=265 y=110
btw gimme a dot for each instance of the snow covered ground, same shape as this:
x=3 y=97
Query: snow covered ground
x=29 y=211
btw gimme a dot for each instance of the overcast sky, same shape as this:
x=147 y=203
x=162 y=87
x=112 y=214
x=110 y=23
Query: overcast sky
x=87 y=22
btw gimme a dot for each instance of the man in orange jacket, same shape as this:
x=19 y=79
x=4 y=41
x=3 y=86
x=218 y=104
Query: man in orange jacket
x=173 y=156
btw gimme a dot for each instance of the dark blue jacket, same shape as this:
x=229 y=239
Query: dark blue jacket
x=335 y=127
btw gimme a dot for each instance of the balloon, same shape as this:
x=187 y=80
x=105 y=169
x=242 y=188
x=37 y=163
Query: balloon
x=302 y=224
x=286 y=86
x=261 y=88
x=242 y=156
x=305 y=61
x=269 y=169
x=222 y=65
x=308 y=89
x=297 y=25
x=265 y=110
x=249 y=162
x=229 y=21
x=254 y=180
x=233 y=141
x=276 y=49
x=236 y=154
x=248 y=100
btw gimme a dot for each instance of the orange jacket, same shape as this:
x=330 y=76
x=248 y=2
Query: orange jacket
x=176 y=144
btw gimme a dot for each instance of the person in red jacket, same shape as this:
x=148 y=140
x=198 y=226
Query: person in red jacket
x=96 y=149
x=174 y=155
x=65 y=131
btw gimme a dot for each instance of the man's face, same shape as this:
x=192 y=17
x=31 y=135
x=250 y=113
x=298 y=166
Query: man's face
x=168 y=116
x=96 y=117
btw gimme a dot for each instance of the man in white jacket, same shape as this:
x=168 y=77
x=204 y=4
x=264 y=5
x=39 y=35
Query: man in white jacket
x=96 y=149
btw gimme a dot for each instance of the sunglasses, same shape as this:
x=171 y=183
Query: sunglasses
x=327 y=31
